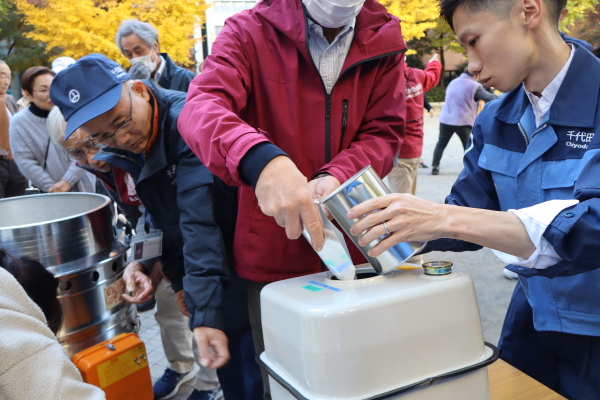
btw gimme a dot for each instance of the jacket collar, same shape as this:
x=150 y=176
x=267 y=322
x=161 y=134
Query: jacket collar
x=167 y=73
x=376 y=32
x=576 y=101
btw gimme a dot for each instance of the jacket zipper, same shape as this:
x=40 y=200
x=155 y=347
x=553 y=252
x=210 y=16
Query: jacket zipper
x=344 y=120
x=524 y=134
x=328 y=95
x=532 y=135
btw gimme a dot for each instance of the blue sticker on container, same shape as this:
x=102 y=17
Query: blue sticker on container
x=325 y=286
x=312 y=288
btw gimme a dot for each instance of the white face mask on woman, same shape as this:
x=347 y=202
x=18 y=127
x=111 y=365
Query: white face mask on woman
x=333 y=13
x=146 y=60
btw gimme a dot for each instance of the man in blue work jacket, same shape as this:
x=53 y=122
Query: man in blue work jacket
x=135 y=124
x=530 y=188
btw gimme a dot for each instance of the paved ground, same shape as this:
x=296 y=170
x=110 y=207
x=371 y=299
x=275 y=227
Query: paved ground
x=493 y=290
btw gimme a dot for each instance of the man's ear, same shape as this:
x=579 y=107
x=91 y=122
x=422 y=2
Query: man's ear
x=139 y=88
x=532 y=12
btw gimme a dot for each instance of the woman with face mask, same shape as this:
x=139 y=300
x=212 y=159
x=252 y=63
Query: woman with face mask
x=45 y=164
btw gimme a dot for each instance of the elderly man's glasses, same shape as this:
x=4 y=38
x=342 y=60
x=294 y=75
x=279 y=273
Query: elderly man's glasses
x=80 y=155
x=125 y=127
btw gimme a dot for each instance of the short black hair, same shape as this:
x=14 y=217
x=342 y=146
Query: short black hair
x=39 y=284
x=499 y=7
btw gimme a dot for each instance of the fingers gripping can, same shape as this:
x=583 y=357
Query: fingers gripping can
x=366 y=185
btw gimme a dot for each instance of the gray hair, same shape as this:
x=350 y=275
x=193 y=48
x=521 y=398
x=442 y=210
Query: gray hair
x=147 y=32
x=57 y=126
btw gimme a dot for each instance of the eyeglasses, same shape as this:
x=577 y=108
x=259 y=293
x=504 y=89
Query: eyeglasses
x=125 y=127
x=43 y=92
x=81 y=154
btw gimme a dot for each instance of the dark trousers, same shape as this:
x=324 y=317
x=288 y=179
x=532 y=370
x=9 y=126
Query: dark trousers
x=12 y=183
x=446 y=132
x=253 y=291
x=240 y=378
x=567 y=363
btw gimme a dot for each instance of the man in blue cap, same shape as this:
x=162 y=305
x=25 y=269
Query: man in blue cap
x=135 y=124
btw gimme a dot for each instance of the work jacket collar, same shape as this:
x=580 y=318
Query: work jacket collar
x=576 y=101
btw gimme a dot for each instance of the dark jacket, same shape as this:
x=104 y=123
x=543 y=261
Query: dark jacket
x=195 y=211
x=107 y=180
x=174 y=77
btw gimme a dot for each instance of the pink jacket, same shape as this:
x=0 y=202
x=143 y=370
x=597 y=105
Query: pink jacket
x=260 y=84
x=417 y=83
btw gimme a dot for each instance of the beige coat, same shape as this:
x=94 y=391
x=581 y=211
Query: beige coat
x=33 y=365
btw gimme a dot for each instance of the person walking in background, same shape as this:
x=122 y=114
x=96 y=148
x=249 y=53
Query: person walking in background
x=138 y=41
x=458 y=113
x=403 y=177
x=45 y=164
x=12 y=182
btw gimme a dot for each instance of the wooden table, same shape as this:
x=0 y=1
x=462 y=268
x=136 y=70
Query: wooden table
x=508 y=383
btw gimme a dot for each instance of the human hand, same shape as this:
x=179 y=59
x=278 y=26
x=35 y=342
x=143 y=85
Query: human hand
x=407 y=217
x=431 y=112
x=139 y=71
x=321 y=187
x=60 y=187
x=137 y=283
x=434 y=58
x=283 y=192
x=213 y=349
x=156 y=274
x=180 y=299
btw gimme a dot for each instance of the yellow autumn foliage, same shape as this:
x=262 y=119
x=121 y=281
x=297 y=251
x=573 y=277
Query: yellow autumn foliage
x=417 y=16
x=81 y=27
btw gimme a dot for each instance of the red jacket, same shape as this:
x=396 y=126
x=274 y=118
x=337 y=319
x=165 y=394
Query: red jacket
x=260 y=84
x=417 y=83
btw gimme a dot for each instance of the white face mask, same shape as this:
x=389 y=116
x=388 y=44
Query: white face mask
x=333 y=13
x=146 y=60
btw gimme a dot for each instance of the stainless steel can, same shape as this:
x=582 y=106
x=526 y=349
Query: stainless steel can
x=366 y=185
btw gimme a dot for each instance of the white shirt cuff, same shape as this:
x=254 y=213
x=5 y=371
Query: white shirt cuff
x=536 y=219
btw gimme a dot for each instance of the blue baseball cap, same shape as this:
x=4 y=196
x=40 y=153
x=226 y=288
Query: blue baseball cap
x=87 y=89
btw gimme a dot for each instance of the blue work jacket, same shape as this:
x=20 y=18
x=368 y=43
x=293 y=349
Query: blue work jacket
x=195 y=210
x=509 y=166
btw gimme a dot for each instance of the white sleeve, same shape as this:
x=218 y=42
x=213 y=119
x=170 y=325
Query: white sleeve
x=536 y=219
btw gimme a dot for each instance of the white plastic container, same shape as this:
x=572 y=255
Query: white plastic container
x=374 y=336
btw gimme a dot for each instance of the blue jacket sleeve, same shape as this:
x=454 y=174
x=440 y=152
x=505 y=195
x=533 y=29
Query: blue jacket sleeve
x=574 y=232
x=473 y=188
x=205 y=257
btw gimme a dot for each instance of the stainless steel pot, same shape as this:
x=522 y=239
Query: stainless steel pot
x=73 y=235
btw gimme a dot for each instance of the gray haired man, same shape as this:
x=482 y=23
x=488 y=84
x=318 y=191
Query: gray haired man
x=138 y=41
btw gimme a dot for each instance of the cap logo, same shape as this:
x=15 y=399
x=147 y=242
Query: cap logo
x=74 y=96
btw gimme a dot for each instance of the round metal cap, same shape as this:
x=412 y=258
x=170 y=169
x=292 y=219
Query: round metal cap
x=437 y=267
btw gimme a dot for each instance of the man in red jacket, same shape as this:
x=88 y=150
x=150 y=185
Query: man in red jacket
x=292 y=101
x=403 y=178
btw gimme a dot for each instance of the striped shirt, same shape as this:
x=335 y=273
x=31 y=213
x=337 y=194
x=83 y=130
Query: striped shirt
x=329 y=58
